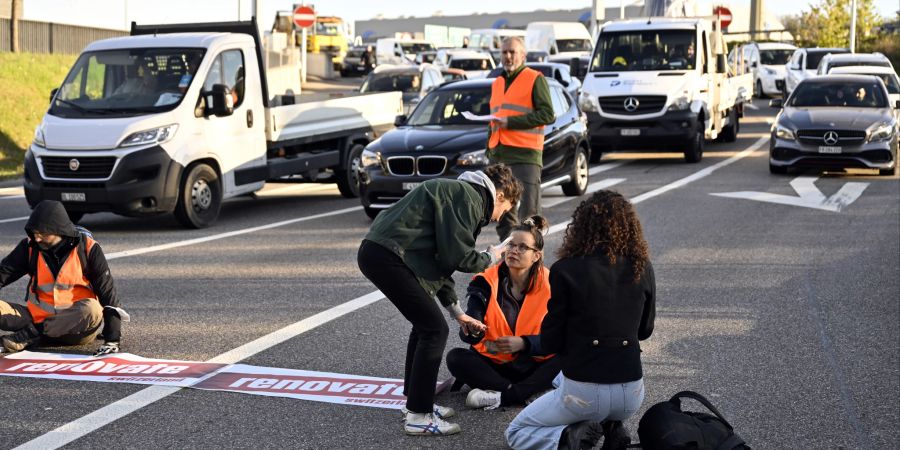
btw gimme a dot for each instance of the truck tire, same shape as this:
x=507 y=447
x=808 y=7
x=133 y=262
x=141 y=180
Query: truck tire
x=348 y=176
x=371 y=212
x=580 y=172
x=693 y=153
x=777 y=170
x=199 y=198
x=759 y=90
x=730 y=132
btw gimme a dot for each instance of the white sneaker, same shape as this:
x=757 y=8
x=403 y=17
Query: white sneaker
x=478 y=398
x=442 y=412
x=428 y=425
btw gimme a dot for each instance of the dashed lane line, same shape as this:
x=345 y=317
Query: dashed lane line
x=121 y=408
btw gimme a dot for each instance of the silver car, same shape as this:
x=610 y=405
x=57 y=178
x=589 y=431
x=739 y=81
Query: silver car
x=835 y=122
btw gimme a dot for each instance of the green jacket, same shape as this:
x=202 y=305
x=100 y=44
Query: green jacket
x=433 y=230
x=542 y=115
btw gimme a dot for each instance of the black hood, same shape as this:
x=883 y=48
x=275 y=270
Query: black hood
x=49 y=216
x=434 y=138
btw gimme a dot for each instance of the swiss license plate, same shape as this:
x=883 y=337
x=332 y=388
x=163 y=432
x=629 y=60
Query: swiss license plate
x=410 y=186
x=630 y=131
x=828 y=149
x=73 y=197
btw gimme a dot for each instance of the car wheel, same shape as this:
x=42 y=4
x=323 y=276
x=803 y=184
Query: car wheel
x=777 y=170
x=759 y=90
x=200 y=197
x=371 y=212
x=694 y=151
x=348 y=176
x=580 y=172
x=730 y=132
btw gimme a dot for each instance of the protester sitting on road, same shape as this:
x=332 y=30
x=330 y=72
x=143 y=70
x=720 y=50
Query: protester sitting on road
x=410 y=254
x=505 y=365
x=603 y=301
x=70 y=294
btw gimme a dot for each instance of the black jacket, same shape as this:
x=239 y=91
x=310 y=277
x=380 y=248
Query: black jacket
x=51 y=217
x=595 y=317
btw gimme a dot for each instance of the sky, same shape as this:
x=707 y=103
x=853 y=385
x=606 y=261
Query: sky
x=117 y=14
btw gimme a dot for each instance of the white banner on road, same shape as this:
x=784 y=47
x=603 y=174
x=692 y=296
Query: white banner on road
x=269 y=381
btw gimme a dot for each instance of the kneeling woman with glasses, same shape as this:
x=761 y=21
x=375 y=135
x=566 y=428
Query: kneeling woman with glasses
x=506 y=364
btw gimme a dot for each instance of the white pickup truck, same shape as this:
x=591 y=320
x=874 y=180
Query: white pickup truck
x=662 y=84
x=176 y=118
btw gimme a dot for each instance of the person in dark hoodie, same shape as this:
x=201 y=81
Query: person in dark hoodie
x=410 y=254
x=71 y=295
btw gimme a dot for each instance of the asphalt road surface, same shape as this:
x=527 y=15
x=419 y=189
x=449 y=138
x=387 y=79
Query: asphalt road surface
x=784 y=316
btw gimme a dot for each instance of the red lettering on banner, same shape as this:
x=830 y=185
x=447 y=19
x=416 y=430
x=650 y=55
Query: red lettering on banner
x=173 y=369
x=289 y=384
x=39 y=367
x=136 y=368
x=385 y=388
x=92 y=366
x=105 y=366
x=314 y=385
x=262 y=383
x=322 y=386
x=238 y=383
x=364 y=389
x=341 y=387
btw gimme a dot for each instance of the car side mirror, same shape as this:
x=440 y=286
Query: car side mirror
x=795 y=66
x=53 y=93
x=776 y=103
x=754 y=65
x=400 y=120
x=219 y=101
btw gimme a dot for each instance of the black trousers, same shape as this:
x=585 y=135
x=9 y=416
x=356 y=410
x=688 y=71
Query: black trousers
x=530 y=203
x=516 y=382
x=429 y=327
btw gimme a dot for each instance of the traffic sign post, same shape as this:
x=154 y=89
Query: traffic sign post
x=304 y=17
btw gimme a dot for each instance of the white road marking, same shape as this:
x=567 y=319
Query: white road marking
x=593 y=187
x=12 y=197
x=605 y=167
x=14 y=219
x=12 y=190
x=121 y=408
x=808 y=195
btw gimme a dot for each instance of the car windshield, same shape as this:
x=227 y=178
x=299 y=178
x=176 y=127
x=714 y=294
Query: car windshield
x=813 y=58
x=877 y=63
x=355 y=53
x=546 y=71
x=416 y=47
x=328 y=29
x=839 y=94
x=645 y=50
x=445 y=107
x=116 y=83
x=387 y=82
x=470 y=64
x=427 y=57
x=573 y=45
x=775 y=57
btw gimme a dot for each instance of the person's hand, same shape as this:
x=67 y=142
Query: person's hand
x=502 y=122
x=496 y=252
x=510 y=344
x=107 y=348
x=470 y=326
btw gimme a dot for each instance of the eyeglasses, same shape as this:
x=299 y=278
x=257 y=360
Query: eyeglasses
x=519 y=248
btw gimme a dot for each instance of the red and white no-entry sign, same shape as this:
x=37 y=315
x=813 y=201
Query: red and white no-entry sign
x=304 y=16
x=721 y=11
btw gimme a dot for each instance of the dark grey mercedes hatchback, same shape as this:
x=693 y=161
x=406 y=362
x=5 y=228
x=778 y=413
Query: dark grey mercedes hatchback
x=836 y=122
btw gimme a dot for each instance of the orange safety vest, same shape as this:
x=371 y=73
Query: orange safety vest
x=515 y=101
x=48 y=294
x=534 y=308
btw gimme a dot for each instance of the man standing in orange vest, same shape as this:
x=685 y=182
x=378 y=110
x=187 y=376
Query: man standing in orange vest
x=520 y=98
x=70 y=295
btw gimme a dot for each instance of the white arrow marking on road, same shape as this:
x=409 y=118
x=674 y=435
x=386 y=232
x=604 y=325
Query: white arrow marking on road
x=593 y=187
x=809 y=195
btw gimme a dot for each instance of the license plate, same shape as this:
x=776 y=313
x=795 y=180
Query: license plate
x=630 y=131
x=73 y=197
x=827 y=149
x=410 y=186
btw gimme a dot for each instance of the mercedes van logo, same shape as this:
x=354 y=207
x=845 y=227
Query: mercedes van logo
x=830 y=138
x=74 y=164
x=631 y=104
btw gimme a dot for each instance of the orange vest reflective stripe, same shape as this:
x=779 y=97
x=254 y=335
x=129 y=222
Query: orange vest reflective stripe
x=534 y=308
x=515 y=101
x=48 y=294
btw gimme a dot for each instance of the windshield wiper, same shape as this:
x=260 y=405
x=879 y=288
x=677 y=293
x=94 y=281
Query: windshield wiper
x=78 y=107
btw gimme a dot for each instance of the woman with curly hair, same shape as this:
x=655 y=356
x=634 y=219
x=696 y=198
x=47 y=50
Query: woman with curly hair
x=603 y=302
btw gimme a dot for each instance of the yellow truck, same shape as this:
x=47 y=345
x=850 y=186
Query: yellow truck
x=329 y=36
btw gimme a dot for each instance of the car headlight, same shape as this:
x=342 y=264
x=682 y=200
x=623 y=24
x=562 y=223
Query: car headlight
x=784 y=133
x=153 y=136
x=39 y=138
x=476 y=158
x=586 y=102
x=882 y=133
x=369 y=158
x=680 y=103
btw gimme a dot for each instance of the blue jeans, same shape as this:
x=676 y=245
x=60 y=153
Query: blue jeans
x=540 y=424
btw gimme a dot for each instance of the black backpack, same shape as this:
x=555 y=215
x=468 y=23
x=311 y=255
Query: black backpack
x=666 y=427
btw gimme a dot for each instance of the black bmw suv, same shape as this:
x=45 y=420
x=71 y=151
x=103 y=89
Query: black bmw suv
x=437 y=141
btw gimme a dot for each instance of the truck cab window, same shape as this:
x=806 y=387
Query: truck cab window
x=228 y=69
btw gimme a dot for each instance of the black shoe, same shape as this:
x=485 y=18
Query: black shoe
x=582 y=435
x=20 y=340
x=614 y=436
